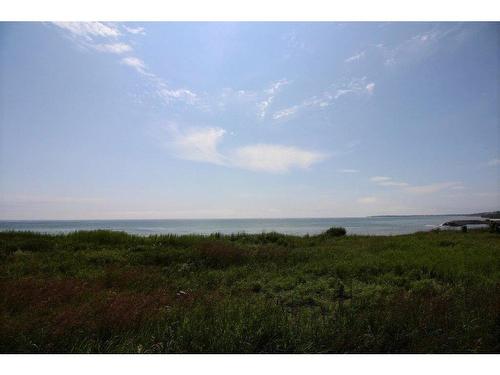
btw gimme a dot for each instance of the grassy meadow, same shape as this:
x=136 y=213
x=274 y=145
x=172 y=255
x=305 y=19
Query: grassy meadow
x=110 y=292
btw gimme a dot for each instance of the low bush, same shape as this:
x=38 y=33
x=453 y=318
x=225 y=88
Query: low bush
x=335 y=232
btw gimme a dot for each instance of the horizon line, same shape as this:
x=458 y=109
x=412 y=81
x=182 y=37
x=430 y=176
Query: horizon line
x=259 y=218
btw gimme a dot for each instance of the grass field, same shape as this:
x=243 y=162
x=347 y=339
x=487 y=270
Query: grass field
x=110 y=292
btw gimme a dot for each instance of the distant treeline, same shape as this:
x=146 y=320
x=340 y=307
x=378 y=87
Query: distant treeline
x=488 y=215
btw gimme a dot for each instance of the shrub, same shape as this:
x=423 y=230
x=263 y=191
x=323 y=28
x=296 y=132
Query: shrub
x=335 y=232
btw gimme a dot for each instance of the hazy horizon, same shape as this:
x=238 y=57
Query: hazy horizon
x=253 y=218
x=112 y=121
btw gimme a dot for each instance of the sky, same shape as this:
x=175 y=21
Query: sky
x=248 y=120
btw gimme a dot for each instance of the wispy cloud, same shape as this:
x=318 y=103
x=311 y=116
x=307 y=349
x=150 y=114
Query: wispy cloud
x=417 y=189
x=117 y=48
x=275 y=158
x=270 y=94
x=135 y=63
x=202 y=145
x=90 y=30
x=380 y=179
x=355 y=57
x=387 y=181
x=423 y=44
x=286 y=112
x=197 y=144
x=355 y=86
x=185 y=95
x=415 y=48
x=135 y=30
x=108 y=38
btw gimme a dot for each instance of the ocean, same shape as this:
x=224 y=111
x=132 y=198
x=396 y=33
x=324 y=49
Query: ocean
x=380 y=225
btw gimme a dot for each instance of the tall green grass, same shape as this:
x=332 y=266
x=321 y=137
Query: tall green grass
x=111 y=292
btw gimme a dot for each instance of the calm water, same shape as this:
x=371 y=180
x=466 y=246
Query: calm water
x=364 y=225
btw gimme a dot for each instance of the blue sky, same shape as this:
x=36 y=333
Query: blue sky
x=222 y=120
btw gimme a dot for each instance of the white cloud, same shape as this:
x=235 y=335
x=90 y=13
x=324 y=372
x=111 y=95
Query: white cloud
x=275 y=86
x=341 y=92
x=285 y=112
x=270 y=93
x=135 y=63
x=387 y=181
x=198 y=144
x=117 y=48
x=348 y=171
x=89 y=30
x=262 y=107
x=367 y=200
x=275 y=158
x=355 y=57
x=357 y=86
x=181 y=94
x=107 y=38
x=380 y=179
x=494 y=162
x=201 y=144
x=135 y=30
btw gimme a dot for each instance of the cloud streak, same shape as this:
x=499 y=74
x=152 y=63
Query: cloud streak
x=117 y=48
x=356 y=86
x=416 y=189
x=112 y=38
x=356 y=57
x=271 y=93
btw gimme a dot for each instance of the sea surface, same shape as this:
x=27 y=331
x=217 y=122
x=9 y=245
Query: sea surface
x=381 y=225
